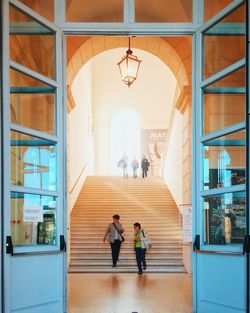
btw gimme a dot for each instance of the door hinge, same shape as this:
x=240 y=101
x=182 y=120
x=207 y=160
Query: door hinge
x=63 y=246
x=9 y=245
x=196 y=244
x=246 y=244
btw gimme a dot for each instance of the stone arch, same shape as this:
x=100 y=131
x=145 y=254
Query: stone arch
x=154 y=45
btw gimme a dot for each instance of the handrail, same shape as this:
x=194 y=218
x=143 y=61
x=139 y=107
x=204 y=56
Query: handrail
x=78 y=178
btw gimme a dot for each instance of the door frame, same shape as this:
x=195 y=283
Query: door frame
x=197 y=166
x=247 y=240
x=58 y=137
x=122 y=29
x=1 y=151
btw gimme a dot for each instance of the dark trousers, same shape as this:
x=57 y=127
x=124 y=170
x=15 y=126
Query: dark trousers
x=135 y=172
x=115 y=248
x=140 y=258
x=144 y=172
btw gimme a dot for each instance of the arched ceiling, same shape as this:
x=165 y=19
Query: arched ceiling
x=175 y=52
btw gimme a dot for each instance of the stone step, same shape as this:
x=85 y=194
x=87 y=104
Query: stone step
x=106 y=216
x=125 y=263
x=125 y=245
x=150 y=230
x=99 y=231
x=155 y=242
x=128 y=237
x=98 y=242
x=179 y=269
x=130 y=252
x=125 y=257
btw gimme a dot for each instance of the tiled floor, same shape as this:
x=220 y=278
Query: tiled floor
x=127 y=293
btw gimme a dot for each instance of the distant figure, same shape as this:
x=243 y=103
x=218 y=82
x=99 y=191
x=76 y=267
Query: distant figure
x=144 y=166
x=134 y=165
x=140 y=246
x=114 y=235
x=123 y=163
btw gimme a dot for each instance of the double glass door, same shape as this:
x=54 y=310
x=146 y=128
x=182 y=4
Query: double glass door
x=220 y=261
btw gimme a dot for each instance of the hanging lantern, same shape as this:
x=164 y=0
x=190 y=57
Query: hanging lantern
x=129 y=67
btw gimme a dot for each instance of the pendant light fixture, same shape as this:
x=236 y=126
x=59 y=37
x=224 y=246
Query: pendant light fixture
x=129 y=66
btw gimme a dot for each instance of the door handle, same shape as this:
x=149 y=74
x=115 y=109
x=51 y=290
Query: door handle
x=246 y=244
x=63 y=246
x=9 y=245
x=196 y=244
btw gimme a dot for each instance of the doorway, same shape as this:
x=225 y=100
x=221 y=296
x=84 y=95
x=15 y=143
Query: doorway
x=218 y=79
x=163 y=112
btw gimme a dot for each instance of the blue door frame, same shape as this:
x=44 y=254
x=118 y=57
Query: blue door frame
x=217 y=268
x=197 y=194
x=34 y=259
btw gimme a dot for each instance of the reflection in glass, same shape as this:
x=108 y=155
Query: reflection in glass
x=236 y=79
x=44 y=8
x=94 y=11
x=224 y=102
x=18 y=79
x=224 y=161
x=224 y=43
x=222 y=110
x=33 y=219
x=159 y=11
x=32 y=103
x=33 y=162
x=225 y=218
x=212 y=7
x=31 y=44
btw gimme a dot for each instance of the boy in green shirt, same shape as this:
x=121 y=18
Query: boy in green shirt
x=140 y=249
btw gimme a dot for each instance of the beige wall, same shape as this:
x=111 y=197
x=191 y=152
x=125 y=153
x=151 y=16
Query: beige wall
x=79 y=132
x=173 y=170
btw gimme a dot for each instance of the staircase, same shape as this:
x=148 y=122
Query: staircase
x=147 y=201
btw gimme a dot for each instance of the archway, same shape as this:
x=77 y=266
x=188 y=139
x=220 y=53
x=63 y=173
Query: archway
x=110 y=100
x=124 y=137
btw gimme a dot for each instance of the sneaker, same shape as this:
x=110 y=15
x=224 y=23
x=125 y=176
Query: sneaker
x=114 y=265
x=140 y=273
x=144 y=267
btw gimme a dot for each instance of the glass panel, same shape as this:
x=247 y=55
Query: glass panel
x=224 y=43
x=225 y=218
x=33 y=162
x=44 y=8
x=224 y=102
x=212 y=7
x=94 y=11
x=234 y=79
x=31 y=44
x=32 y=103
x=33 y=219
x=224 y=161
x=158 y=11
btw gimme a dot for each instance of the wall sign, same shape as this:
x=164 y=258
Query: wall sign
x=32 y=213
x=187 y=224
x=152 y=145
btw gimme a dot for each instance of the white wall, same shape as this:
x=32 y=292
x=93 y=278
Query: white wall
x=151 y=96
x=79 y=132
x=173 y=159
